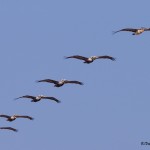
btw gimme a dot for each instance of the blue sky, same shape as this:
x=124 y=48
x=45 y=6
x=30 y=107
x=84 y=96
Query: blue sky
x=111 y=110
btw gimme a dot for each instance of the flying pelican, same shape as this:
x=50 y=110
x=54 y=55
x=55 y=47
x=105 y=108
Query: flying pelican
x=135 y=31
x=60 y=83
x=39 y=97
x=91 y=59
x=12 y=118
x=9 y=128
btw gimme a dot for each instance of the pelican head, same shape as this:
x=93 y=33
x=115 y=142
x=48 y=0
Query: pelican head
x=14 y=116
x=62 y=80
x=93 y=57
x=40 y=95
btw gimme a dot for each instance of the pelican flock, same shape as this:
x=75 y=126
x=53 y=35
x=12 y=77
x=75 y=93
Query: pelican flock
x=60 y=83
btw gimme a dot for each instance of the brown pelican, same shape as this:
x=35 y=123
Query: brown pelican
x=9 y=128
x=39 y=97
x=12 y=118
x=91 y=59
x=60 y=83
x=135 y=31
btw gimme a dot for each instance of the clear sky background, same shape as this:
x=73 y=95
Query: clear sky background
x=111 y=110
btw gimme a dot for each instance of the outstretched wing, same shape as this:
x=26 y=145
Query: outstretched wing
x=106 y=57
x=9 y=128
x=75 y=82
x=51 y=98
x=146 y=29
x=126 y=29
x=28 y=117
x=5 y=116
x=48 y=80
x=26 y=96
x=77 y=57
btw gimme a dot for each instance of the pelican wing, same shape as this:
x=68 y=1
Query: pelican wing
x=48 y=80
x=51 y=98
x=5 y=116
x=106 y=57
x=28 y=117
x=76 y=82
x=26 y=96
x=78 y=57
x=9 y=128
x=146 y=29
x=126 y=29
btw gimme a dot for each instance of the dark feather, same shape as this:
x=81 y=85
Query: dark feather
x=126 y=29
x=26 y=96
x=146 y=29
x=106 y=57
x=6 y=116
x=76 y=82
x=9 y=128
x=28 y=117
x=48 y=80
x=51 y=98
x=78 y=57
